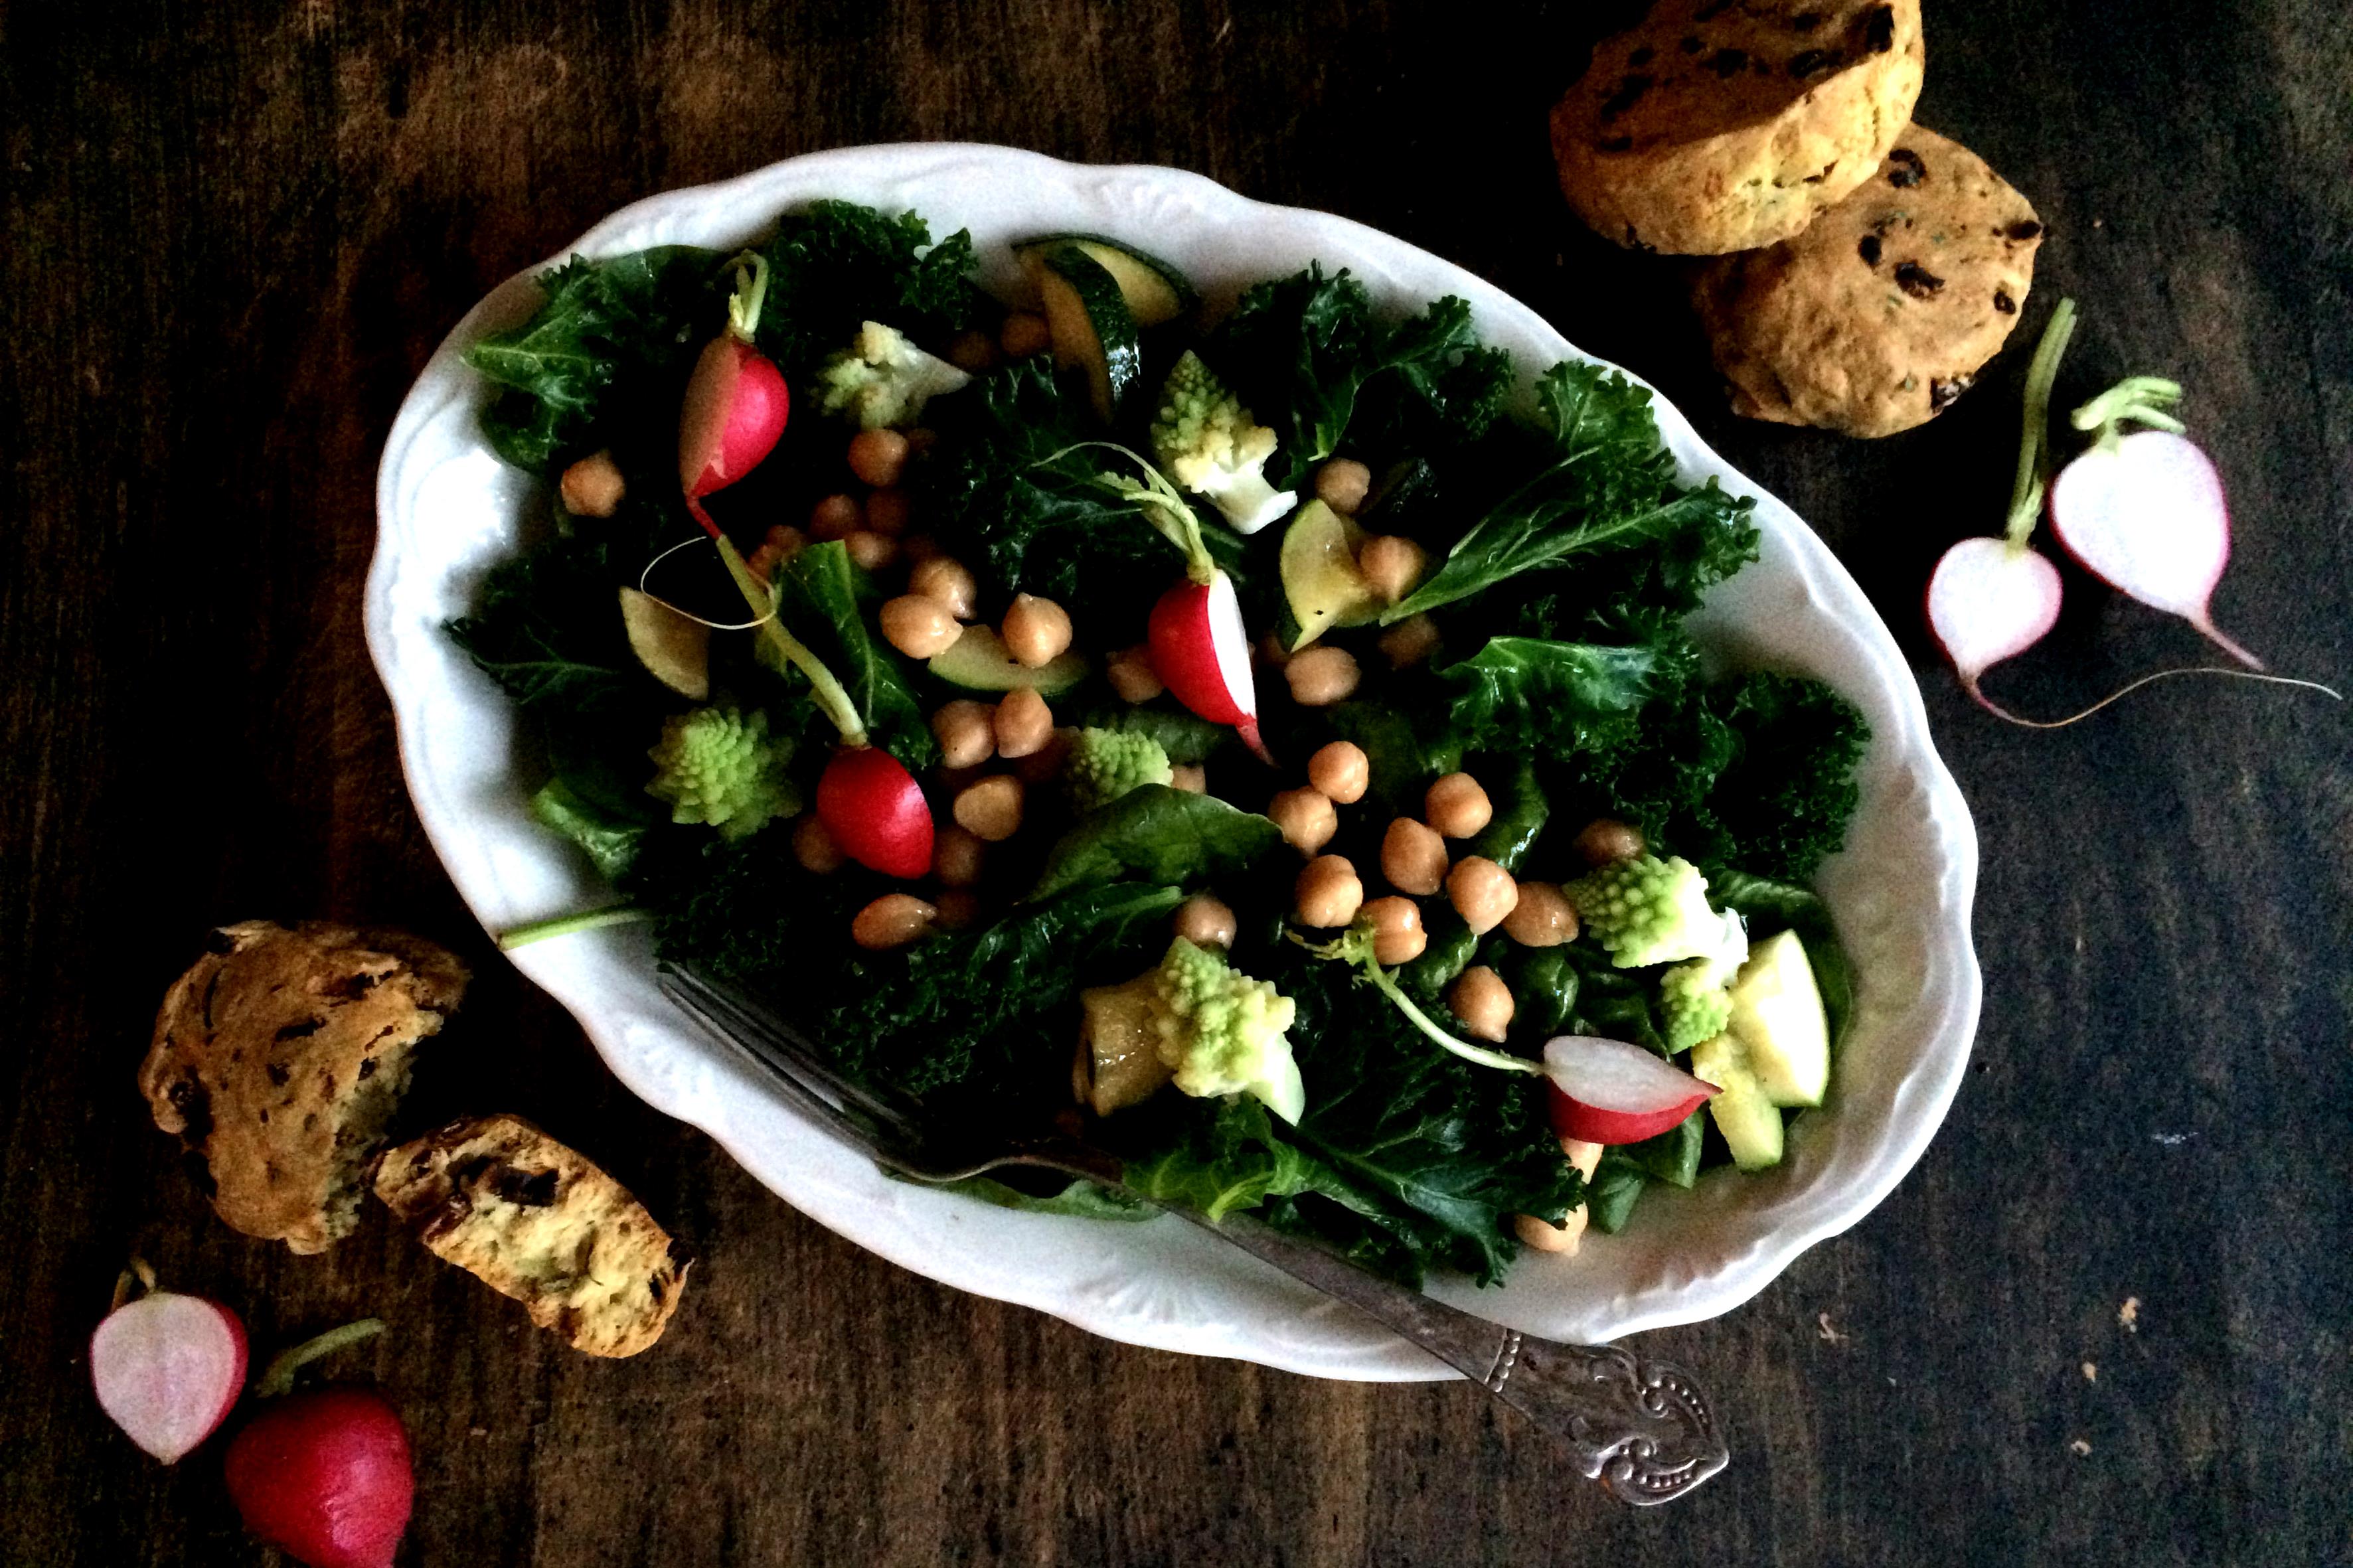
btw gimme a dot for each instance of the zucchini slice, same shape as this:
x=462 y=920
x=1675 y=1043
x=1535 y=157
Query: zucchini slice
x=977 y=661
x=1155 y=291
x=1091 y=326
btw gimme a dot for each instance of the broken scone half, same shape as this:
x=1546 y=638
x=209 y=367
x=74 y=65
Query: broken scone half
x=536 y=1221
x=279 y=1058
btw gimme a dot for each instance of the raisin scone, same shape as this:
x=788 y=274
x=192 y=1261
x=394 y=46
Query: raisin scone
x=536 y=1221
x=1721 y=125
x=1880 y=315
x=279 y=1058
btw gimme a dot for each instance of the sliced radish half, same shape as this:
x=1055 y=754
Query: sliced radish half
x=736 y=405
x=876 y=811
x=1200 y=650
x=1610 y=1091
x=168 y=1369
x=1990 y=600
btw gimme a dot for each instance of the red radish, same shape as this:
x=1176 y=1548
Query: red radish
x=2144 y=512
x=168 y=1369
x=324 y=1476
x=1201 y=651
x=1990 y=600
x=876 y=811
x=736 y=401
x=1608 y=1091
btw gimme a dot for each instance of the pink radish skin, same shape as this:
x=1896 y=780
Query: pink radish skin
x=2147 y=516
x=1990 y=600
x=736 y=406
x=876 y=811
x=168 y=1369
x=325 y=1478
x=1612 y=1092
x=1201 y=651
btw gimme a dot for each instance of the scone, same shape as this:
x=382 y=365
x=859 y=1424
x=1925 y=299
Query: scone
x=1721 y=125
x=534 y=1220
x=279 y=1058
x=1880 y=315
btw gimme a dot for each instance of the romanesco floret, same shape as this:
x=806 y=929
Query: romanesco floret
x=1647 y=910
x=885 y=379
x=1104 y=764
x=715 y=765
x=1223 y=1032
x=1695 y=998
x=1208 y=443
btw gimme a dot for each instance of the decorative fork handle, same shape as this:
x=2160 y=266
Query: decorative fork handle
x=1643 y=1428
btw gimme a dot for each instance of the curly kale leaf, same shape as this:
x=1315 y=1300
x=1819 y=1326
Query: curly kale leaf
x=1154 y=834
x=1784 y=802
x=836 y=265
x=1527 y=694
x=547 y=628
x=1606 y=489
x=1307 y=355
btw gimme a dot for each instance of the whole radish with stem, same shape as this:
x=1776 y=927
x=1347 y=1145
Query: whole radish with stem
x=167 y=1367
x=323 y=1475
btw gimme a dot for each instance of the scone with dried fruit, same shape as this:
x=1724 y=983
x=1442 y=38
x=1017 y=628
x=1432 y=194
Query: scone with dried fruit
x=279 y=1058
x=1721 y=125
x=1880 y=315
x=534 y=1220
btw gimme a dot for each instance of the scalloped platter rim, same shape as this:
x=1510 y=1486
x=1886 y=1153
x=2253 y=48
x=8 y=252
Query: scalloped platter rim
x=1901 y=891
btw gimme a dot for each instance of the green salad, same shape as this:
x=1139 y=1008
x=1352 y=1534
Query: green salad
x=1264 y=740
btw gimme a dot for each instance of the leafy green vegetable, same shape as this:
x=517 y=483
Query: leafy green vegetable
x=1082 y=1198
x=1156 y=834
x=1521 y=809
x=1544 y=983
x=1310 y=360
x=1235 y=1159
x=1523 y=693
x=1784 y=801
x=1609 y=487
x=1771 y=906
x=609 y=841
x=638 y=318
x=836 y=265
x=1672 y=1156
x=1188 y=738
x=826 y=600
x=547 y=628
x=1609 y=1197
x=1402 y=756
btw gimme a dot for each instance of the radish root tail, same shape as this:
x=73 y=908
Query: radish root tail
x=690 y=614
x=1996 y=709
x=2228 y=644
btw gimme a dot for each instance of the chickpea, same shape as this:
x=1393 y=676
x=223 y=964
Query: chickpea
x=871 y=551
x=1132 y=675
x=946 y=579
x=1270 y=652
x=814 y=846
x=1342 y=483
x=876 y=457
x=956 y=856
x=1482 y=893
x=833 y=518
x=1392 y=565
x=1036 y=631
x=919 y=548
x=1190 y=777
x=1040 y=765
x=990 y=809
x=1542 y=918
x=1397 y=936
x=1457 y=807
x=1206 y=922
x=1605 y=841
x=1328 y=893
x=1543 y=1235
x=1410 y=642
x=1481 y=1003
x=1321 y=676
x=1413 y=856
x=783 y=542
x=1306 y=818
x=1024 y=724
x=958 y=909
x=592 y=487
x=966 y=731
x=1023 y=334
x=919 y=626
x=886 y=512
x=973 y=352
x=1341 y=771
x=895 y=919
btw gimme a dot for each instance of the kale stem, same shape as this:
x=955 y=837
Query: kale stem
x=280 y=1377
x=2034 y=465
x=751 y=293
x=565 y=925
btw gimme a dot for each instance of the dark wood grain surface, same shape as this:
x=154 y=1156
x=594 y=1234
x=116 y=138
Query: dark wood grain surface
x=234 y=231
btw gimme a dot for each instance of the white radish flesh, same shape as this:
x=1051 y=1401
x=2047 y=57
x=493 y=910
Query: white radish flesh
x=2147 y=515
x=1611 y=1091
x=168 y=1368
x=1990 y=600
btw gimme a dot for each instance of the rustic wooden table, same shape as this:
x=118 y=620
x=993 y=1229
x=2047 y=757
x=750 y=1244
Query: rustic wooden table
x=233 y=233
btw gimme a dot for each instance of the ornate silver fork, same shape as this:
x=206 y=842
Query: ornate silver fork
x=1643 y=1428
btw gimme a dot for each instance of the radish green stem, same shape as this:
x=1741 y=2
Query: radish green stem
x=565 y=925
x=832 y=697
x=280 y=1377
x=1357 y=947
x=139 y=1274
x=2329 y=691
x=2034 y=466
x=2143 y=399
x=751 y=293
x=1164 y=506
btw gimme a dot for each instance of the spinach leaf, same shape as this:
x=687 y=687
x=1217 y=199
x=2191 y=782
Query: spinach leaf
x=1544 y=982
x=1672 y=1156
x=1522 y=809
x=828 y=602
x=1609 y=487
x=1610 y=1196
x=1448 y=945
x=1771 y=906
x=1525 y=694
x=610 y=841
x=836 y=264
x=1159 y=835
x=1402 y=757
x=637 y=317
